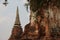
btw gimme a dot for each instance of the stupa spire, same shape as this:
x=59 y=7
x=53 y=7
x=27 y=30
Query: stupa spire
x=17 y=30
x=17 y=20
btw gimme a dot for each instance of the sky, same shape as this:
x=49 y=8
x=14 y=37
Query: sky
x=8 y=14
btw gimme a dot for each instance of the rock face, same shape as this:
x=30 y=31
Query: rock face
x=44 y=22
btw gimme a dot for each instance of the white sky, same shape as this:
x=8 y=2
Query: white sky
x=8 y=14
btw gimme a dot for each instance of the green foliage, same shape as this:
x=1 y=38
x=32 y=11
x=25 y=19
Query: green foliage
x=36 y=4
